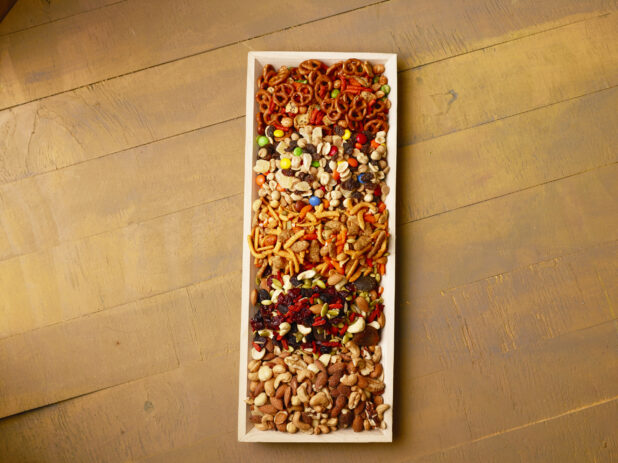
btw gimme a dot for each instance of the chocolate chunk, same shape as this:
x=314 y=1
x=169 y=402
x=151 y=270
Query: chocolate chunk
x=369 y=337
x=366 y=283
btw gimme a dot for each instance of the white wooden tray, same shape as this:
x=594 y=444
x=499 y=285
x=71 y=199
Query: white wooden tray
x=246 y=432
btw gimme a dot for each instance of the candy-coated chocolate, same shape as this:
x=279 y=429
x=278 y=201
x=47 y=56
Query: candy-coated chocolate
x=285 y=163
x=314 y=201
x=298 y=151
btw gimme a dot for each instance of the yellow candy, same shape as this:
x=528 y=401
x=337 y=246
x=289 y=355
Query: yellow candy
x=278 y=133
x=285 y=163
x=347 y=134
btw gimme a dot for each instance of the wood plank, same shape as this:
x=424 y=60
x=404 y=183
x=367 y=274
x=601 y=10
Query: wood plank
x=32 y=13
x=504 y=313
x=510 y=78
x=519 y=152
x=176 y=250
x=495 y=236
x=128 y=36
x=94 y=352
x=120 y=266
x=120 y=189
x=485 y=162
x=145 y=106
x=586 y=434
x=184 y=413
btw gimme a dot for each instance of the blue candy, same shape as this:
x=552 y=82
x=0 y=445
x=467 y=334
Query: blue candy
x=314 y=201
x=360 y=178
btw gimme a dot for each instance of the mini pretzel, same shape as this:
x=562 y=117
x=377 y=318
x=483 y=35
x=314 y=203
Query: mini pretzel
x=379 y=107
x=303 y=95
x=376 y=125
x=282 y=94
x=344 y=101
x=334 y=69
x=354 y=67
x=322 y=86
x=309 y=65
x=313 y=76
x=295 y=74
x=358 y=109
x=354 y=125
x=263 y=98
x=273 y=118
x=267 y=71
x=280 y=77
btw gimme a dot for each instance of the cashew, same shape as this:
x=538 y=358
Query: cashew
x=253 y=376
x=299 y=424
x=324 y=359
x=266 y=418
x=261 y=427
x=377 y=355
x=295 y=401
x=313 y=368
x=260 y=399
x=318 y=399
x=257 y=355
x=269 y=387
x=380 y=409
x=357 y=326
x=302 y=393
x=278 y=369
x=332 y=422
x=349 y=380
x=304 y=373
x=265 y=373
x=282 y=378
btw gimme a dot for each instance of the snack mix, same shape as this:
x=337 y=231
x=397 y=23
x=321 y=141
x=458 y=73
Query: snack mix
x=319 y=238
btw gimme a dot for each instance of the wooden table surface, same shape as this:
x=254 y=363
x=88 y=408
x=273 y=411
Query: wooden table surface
x=121 y=157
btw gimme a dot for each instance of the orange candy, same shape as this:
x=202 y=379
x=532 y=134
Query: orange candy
x=353 y=162
x=260 y=179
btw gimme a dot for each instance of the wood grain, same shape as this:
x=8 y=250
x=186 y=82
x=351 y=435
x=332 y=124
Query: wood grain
x=94 y=352
x=32 y=13
x=584 y=434
x=549 y=149
x=532 y=386
x=142 y=107
x=120 y=39
x=120 y=206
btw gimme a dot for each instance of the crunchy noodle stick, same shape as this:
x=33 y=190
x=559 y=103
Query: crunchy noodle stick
x=293 y=239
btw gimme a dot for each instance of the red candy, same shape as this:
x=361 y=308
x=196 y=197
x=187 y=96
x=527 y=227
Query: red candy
x=361 y=138
x=333 y=150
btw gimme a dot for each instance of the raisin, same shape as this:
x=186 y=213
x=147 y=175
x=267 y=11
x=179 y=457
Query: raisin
x=310 y=148
x=366 y=177
x=288 y=172
x=339 y=130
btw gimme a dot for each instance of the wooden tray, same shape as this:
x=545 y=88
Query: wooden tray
x=246 y=432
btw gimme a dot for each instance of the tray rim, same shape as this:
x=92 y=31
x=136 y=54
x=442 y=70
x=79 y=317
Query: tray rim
x=245 y=432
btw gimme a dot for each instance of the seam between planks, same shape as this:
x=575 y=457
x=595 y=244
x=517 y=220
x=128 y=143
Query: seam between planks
x=217 y=353
x=244 y=41
x=132 y=223
x=34 y=26
x=517 y=428
x=191 y=55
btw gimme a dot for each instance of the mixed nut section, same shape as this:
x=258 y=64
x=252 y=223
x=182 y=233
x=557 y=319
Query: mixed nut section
x=319 y=239
x=294 y=391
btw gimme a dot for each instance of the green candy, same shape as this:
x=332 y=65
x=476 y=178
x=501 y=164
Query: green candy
x=335 y=93
x=315 y=163
x=262 y=140
x=386 y=89
x=298 y=151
